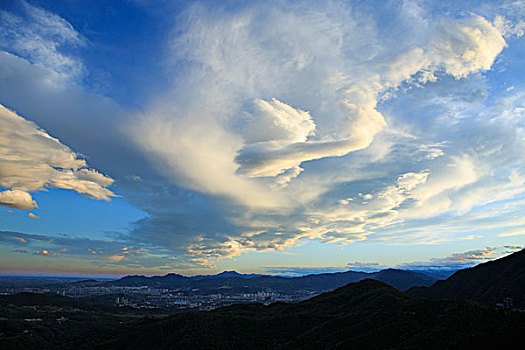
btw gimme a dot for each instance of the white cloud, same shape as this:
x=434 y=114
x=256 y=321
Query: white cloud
x=37 y=34
x=472 y=237
x=359 y=215
x=275 y=121
x=515 y=232
x=509 y=28
x=116 y=258
x=17 y=199
x=32 y=160
x=467 y=46
x=201 y=158
x=228 y=55
x=457 y=48
x=433 y=197
x=266 y=89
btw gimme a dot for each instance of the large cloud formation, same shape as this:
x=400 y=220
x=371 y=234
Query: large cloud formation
x=31 y=160
x=280 y=122
x=457 y=49
x=268 y=88
x=242 y=56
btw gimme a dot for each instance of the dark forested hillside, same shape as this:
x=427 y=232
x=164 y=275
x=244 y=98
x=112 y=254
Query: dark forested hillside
x=364 y=315
x=487 y=283
x=368 y=314
x=40 y=321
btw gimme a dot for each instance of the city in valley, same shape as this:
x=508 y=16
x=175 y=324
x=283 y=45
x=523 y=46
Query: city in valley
x=148 y=297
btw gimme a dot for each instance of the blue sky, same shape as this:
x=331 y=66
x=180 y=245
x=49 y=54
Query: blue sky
x=282 y=137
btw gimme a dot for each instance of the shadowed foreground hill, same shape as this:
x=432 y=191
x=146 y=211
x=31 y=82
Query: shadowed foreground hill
x=363 y=315
x=40 y=321
x=487 y=283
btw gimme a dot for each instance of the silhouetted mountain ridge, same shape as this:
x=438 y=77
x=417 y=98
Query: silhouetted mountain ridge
x=227 y=274
x=400 y=279
x=368 y=314
x=487 y=283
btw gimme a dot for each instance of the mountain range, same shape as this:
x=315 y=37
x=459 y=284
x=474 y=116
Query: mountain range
x=368 y=314
x=364 y=315
x=235 y=282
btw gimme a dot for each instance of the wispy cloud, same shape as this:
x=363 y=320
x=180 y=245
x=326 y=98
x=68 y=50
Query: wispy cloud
x=472 y=237
x=92 y=253
x=515 y=232
x=452 y=262
x=464 y=259
x=38 y=34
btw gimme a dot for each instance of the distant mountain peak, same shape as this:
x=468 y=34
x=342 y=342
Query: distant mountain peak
x=174 y=275
x=229 y=273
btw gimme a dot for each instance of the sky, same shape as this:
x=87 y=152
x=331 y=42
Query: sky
x=280 y=137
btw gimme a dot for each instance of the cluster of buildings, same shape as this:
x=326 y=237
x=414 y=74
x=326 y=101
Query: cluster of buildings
x=148 y=297
x=162 y=298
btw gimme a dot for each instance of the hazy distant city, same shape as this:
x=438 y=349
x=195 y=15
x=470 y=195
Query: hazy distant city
x=205 y=292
